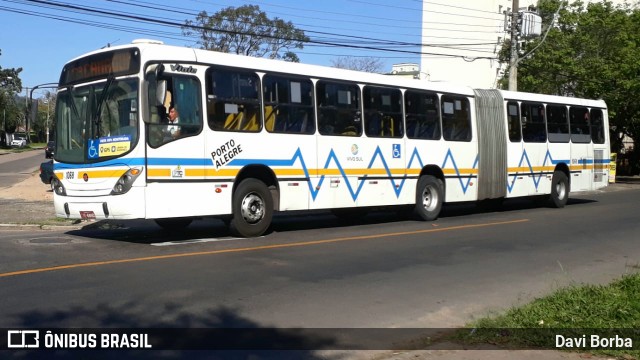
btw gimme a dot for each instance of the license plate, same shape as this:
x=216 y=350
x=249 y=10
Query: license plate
x=87 y=215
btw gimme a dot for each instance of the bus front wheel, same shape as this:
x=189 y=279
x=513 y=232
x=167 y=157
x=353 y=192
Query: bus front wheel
x=559 y=189
x=429 y=197
x=252 y=207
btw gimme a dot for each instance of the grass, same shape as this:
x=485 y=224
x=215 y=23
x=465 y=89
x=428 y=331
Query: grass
x=605 y=310
x=31 y=146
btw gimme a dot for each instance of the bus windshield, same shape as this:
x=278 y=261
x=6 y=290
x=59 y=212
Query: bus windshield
x=97 y=122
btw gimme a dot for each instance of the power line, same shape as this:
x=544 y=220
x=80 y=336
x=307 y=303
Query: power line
x=498 y=16
x=145 y=19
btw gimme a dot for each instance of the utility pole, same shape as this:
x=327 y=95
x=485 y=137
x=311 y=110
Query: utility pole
x=513 y=61
x=28 y=112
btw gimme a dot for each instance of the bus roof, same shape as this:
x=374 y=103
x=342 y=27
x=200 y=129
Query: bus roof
x=155 y=50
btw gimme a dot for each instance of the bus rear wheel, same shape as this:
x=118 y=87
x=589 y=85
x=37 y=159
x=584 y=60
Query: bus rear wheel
x=429 y=197
x=252 y=207
x=559 y=189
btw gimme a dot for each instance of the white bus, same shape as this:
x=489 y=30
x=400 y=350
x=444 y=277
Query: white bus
x=255 y=136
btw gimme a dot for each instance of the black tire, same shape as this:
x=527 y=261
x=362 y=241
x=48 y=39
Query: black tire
x=173 y=224
x=429 y=197
x=559 y=189
x=252 y=207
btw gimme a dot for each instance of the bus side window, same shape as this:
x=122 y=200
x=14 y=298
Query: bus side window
x=382 y=112
x=233 y=102
x=288 y=105
x=456 y=121
x=557 y=124
x=533 y=123
x=513 y=121
x=338 y=108
x=597 y=126
x=183 y=95
x=579 y=124
x=422 y=115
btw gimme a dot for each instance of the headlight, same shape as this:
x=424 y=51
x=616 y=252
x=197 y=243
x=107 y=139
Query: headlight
x=125 y=181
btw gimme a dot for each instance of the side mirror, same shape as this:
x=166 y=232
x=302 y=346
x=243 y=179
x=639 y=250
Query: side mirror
x=161 y=92
x=155 y=92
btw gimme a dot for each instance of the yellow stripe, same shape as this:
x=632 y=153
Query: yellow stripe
x=289 y=172
x=462 y=172
x=258 y=248
x=526 y=169
x=158 y=172
x=221 y=172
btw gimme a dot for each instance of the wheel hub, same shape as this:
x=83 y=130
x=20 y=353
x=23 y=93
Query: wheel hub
x=429 y=198
x=252 y=208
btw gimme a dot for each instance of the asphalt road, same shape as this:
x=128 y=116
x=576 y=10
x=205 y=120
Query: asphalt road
x=314 y=271
x=17 y=167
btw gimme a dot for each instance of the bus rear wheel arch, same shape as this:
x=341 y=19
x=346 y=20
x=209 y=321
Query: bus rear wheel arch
x=252 y=206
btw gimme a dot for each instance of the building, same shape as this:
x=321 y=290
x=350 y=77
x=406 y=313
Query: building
x=460 y=40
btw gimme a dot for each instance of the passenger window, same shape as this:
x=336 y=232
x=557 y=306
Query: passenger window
x=456 y=119
x=382 y=112
x=181 y=114
x=288 y=105
x=557 y=123
x=513 y=121
x=533 y=123
x=579 y=123
x=338 y=109
x=233 y=102
x=597 y=126
x=422 y=115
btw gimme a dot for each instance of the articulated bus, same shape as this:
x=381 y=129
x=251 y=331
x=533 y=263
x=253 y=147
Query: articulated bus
x=255 y=136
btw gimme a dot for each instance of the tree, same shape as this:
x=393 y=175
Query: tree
x=10 y=84
x=589 y=52
x=368 y=64
x=246 y=30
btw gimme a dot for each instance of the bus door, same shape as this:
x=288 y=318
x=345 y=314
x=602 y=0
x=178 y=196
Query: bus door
x=534 y=163
x=518 y=181
x=601 y=151
x=582 y=155
x=176 y=159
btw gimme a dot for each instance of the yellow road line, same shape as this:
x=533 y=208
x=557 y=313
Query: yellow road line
x=265 y=247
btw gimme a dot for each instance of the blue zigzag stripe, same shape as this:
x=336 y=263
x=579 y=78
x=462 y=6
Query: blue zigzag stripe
x=355 y=191
x=536 y=181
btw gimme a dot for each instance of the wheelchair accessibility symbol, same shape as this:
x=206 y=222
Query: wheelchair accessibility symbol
x=396 y=151
x=93 y=149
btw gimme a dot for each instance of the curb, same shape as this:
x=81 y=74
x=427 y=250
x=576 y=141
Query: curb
x=40 y=227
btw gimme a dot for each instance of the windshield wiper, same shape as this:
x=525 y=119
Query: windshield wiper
x=97 y=119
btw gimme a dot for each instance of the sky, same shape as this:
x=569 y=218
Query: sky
x=34 y=38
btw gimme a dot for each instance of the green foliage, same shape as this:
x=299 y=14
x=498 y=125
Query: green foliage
x=10 y=84
x=591 y=52
x=246 y=30
x=574 y=311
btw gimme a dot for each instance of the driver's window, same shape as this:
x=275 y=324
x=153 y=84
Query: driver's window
x=180 y=115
